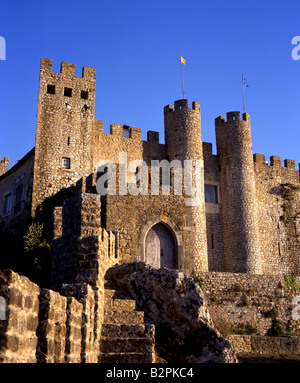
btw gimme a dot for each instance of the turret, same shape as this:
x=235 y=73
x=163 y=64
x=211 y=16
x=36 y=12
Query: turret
x=4 y=165
x=183 y=141
x=238 y=194
x=65 y=129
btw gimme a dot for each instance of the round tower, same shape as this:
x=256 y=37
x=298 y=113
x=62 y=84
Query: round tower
x=184 y=143
x=238 y=194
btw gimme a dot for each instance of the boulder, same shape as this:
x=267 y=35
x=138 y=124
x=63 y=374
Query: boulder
x=175 y=304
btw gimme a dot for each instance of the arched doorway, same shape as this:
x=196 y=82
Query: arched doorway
x=160 y=247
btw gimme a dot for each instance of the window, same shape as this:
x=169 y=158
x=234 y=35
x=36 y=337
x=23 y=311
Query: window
x=7 y=204
x=51 y=89
x=68 y=141
x=84 y=94
x=19 y=198
x=68 y=92
x=66 y=163
x=211 y=193
x=126 y=131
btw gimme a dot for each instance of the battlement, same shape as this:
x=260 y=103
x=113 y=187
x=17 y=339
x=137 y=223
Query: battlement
x=231 y=117
x=126 y=131
x=68 y=69
x=4 y=165
x=181 y=105
x=275 y=161
x=4 y=161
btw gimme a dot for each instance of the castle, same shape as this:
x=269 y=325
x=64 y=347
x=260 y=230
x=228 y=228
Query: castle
x=247 y=219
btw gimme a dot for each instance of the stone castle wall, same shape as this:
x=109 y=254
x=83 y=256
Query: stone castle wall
x=237 y=299
x=44 y=326
x=278 y=203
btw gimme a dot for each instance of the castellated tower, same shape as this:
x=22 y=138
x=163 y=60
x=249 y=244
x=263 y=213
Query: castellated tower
x=65 y=129
x=183 y=141
x=238 y=194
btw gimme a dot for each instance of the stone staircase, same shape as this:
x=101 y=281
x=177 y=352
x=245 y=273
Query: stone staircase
x=125 y=338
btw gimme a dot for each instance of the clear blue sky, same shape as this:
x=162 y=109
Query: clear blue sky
x=135 y=46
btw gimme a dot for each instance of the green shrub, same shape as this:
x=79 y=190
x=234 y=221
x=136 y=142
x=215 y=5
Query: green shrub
x=273 y=313
x=276 y=328
x=244 y=300
x=244 y=329
x=291 y=281
x=197 y=280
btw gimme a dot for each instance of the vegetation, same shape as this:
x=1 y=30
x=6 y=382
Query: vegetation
x=244 y=300
x=273 y=313
x=243 y=329
x=197 y=280
x=291 y=282
x=289 y=191
x=276 y=328
x=27 y=247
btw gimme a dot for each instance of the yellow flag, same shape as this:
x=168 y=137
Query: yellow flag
x=182 y=60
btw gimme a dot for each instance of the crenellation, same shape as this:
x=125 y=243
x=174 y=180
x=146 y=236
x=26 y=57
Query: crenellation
x=116 y=129
x=46 y=65
x=259 y=159
x=67 y=69
x=135 y=133
x=290 y=164
x=276 y=161
x=153 y=136
x=89 y=74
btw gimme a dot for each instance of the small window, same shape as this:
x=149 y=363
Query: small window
x=51 y=89
x=68 y=92
x=66 y=163
x=84 y=94
x=7 y=204
x=211 y=193
x=68 y=141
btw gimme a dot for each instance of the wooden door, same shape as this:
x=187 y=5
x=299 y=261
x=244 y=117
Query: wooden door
x=160 y=247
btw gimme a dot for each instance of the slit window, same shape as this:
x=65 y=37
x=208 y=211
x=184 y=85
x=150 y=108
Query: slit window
x=51 y=89
x=68 y=141
x=84 y=95
x=66 y=163
x=211 y=193
x=68 y=92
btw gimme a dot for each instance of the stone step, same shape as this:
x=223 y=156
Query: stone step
x=123 y=316
x=119 y=304
x=134 y=357
x=126 y=345
x=118 y=330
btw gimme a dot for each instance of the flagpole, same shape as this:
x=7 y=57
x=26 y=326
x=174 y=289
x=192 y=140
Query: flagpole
x=182 y=79
x=243 y=93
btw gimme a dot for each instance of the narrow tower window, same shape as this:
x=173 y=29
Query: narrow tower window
x=68 y=141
